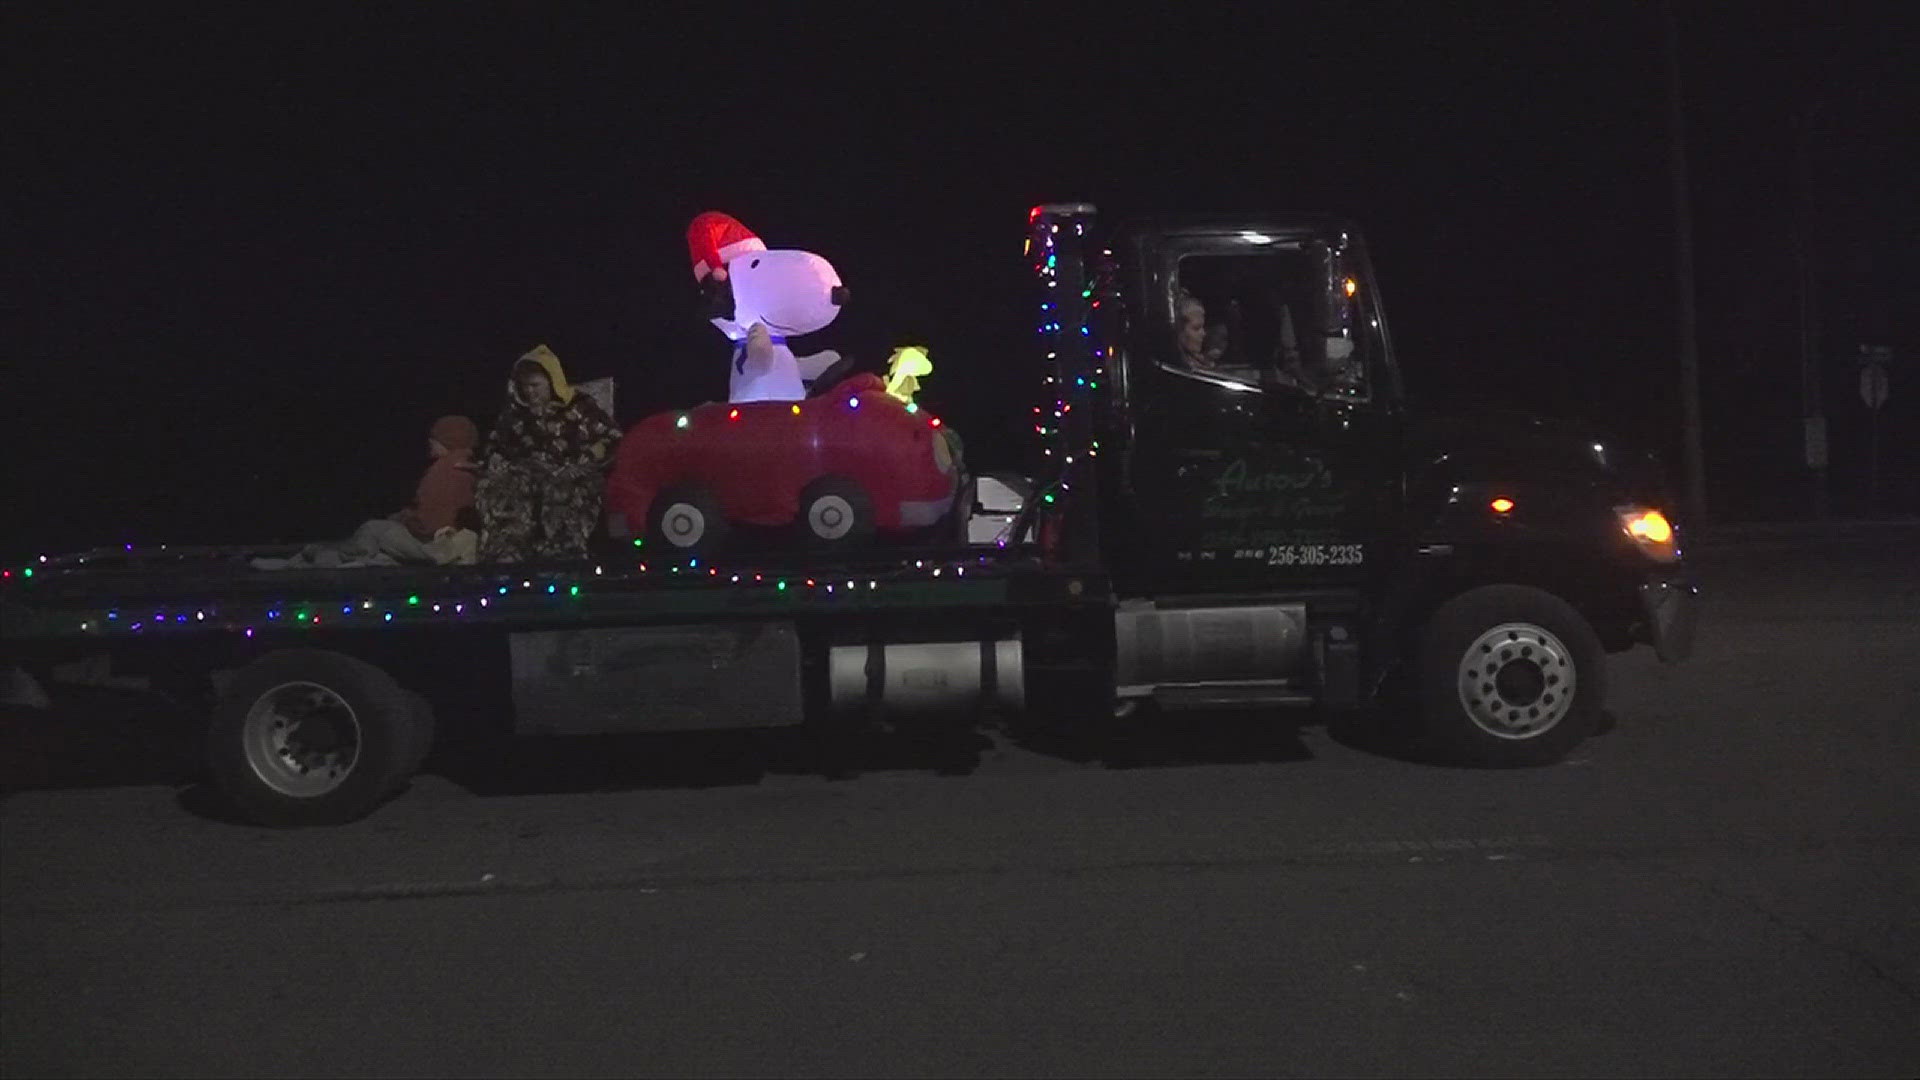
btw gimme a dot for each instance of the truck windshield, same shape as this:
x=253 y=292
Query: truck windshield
x=1242 y=319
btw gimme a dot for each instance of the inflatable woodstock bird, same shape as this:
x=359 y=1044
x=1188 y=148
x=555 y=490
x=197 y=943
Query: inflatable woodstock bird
x=904 y=369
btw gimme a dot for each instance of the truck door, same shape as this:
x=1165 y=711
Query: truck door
x=1264 y=444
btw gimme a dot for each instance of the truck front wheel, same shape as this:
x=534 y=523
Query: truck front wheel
x=310 y=737
x=1509 y=675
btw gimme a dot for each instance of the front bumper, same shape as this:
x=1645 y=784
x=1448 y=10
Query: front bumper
x=1671 y=605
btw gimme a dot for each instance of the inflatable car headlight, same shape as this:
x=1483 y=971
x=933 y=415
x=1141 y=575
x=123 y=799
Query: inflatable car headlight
x=943 y=453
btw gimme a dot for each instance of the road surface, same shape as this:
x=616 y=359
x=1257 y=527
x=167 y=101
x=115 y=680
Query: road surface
x=1726 y=883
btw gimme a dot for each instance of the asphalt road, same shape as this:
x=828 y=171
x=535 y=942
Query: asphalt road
x=1726 y=883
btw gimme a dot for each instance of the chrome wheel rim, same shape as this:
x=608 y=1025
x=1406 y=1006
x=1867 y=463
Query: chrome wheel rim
x=1517 y=681
x=302 y=739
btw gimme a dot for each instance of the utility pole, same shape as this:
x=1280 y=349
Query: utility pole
x=1812 y=409
x=1696 y=494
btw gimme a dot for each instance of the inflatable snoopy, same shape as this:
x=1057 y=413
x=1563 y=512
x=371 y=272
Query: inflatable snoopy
x=760 y=298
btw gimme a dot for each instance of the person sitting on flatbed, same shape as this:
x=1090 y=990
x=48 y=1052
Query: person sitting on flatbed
x=439 y=526
x=444 y=498
x=541 y=486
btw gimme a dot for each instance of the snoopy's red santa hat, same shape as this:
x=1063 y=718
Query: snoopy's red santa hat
x=716 y=239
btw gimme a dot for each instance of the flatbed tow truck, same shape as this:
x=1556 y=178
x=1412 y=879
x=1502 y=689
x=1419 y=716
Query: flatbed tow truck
x=1263 y=522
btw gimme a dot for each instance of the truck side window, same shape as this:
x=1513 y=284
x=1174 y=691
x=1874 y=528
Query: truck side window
x=1240 y=320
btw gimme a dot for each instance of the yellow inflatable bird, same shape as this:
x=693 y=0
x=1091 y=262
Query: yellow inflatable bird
x=904 y=369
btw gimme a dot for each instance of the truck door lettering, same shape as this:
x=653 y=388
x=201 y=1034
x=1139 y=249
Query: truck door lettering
x=1248 y=506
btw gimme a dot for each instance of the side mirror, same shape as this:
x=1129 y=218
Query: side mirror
x=1313 y=347
x=1325 y=314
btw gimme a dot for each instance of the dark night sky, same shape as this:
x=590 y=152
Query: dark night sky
x=251 y=259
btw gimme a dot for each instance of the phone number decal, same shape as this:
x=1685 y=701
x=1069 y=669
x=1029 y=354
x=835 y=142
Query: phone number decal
x=1307 y=554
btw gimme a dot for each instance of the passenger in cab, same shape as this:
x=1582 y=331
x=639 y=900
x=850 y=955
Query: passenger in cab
x=1190 y=332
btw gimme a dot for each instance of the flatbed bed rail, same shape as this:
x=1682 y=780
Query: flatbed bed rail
x=111 y=593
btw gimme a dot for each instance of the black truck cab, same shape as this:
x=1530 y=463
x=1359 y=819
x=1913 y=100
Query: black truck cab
x=1256 y=412
x=1278 y=522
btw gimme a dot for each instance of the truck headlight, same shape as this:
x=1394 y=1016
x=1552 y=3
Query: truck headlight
x=1651 y=530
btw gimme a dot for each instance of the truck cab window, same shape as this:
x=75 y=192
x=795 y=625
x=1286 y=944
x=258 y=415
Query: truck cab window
x=1244 y=321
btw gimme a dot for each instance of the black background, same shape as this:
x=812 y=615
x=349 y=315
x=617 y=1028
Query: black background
x=251 y=257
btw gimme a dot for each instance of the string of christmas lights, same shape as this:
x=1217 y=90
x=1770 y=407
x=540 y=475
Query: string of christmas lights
x=535 y=594
x=1067 y=320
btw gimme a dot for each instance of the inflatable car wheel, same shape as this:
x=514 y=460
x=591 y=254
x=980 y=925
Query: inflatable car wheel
x=309 y=737
x=685 y=520
x=835 y=515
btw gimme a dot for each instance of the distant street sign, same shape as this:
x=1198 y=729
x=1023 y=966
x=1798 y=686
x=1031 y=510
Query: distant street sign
x=1873 y=390
x=1873 y=385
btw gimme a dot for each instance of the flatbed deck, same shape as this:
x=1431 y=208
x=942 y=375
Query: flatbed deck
x=113 y=593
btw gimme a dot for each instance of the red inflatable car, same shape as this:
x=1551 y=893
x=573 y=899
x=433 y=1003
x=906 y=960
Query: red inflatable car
x=841 y=465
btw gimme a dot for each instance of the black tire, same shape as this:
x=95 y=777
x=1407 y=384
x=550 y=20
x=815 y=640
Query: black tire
x=362 y=724
x=685 y=520
x=420 y=732
x=835 y=515
x=1510 y=703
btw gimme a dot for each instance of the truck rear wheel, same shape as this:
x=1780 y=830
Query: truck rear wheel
x=1509 y=676
x=419 y=739
x=310 y=737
